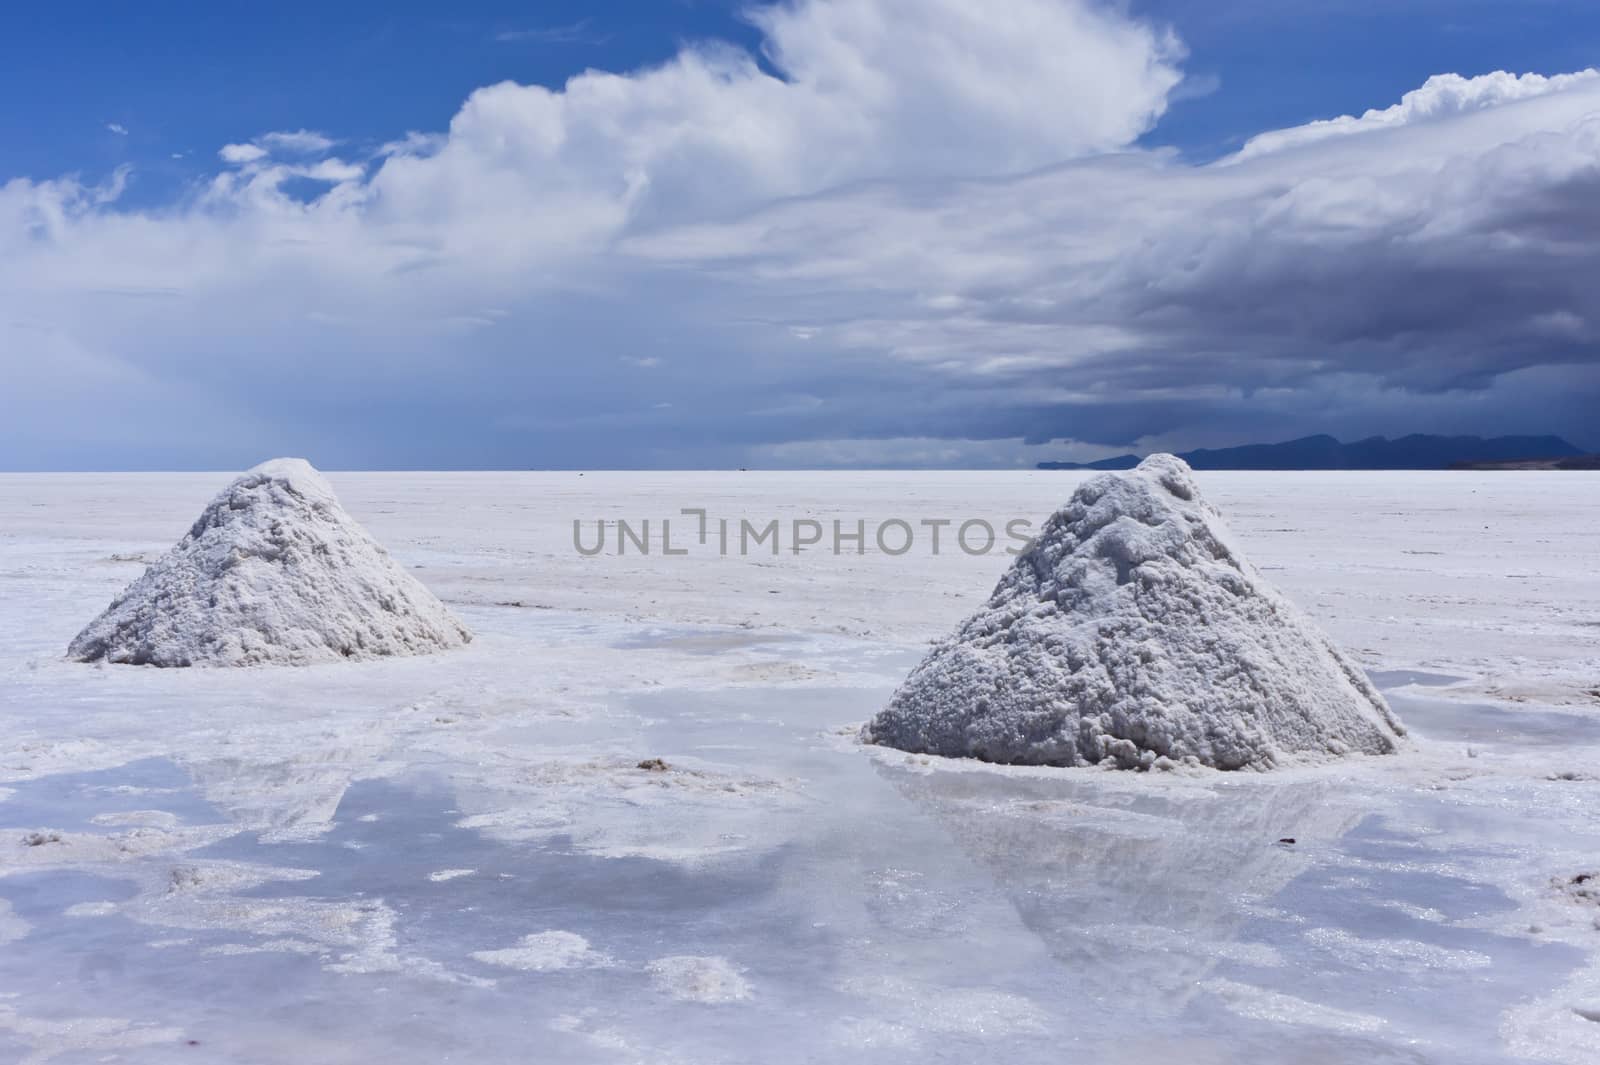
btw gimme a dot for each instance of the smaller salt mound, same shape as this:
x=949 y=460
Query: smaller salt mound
x=1133 y=630
x=274 y=572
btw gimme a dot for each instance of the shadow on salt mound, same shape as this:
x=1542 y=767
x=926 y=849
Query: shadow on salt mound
x=273 y=572
x=1133 y=633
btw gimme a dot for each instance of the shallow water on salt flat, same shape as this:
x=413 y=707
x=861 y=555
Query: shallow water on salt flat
x=71 y=800
x=702 y=641
x=1488 y=725
x=879 y=907
x=1399 y=678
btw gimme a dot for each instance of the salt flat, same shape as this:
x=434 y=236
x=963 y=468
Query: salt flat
x=460 y=857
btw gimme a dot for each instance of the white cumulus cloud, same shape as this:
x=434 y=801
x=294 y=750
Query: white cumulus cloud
x=929 y=224
x=1442 y=96
x=297 y=142
x=239 y=154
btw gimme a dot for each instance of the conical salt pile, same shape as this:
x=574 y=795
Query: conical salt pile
x=1131 y=632
x=274 y=572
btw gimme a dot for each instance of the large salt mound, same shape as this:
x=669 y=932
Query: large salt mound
x=275 y=572
x=1133 y=630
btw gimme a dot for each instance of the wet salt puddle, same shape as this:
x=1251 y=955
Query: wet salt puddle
x=1450 y=720
x=634 y=910
x=69 y=801
x=699 y=641
x=626 y=904
x=854 y=923
x=1387 y=679
x=387 y=840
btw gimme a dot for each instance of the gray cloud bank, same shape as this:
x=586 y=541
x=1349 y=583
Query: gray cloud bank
x=929 y=242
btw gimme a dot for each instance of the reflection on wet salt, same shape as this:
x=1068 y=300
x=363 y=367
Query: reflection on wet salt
x=74 y=801
x=396 y=856
x=1386 y=679
x=1494 y=724
x=770 y=889
x=1136 y=888
x=698 y=641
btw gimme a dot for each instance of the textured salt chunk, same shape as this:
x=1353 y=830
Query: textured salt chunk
x=692 y=978
x=1133 y=631
x=545 y=952
x=273 y=572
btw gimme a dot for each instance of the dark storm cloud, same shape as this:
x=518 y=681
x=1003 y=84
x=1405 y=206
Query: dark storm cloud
x=705 y=265
x=1313 y=285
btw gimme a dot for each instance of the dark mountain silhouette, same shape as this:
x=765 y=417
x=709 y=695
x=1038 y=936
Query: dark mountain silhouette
x=1415 y=452
x=1571 y=462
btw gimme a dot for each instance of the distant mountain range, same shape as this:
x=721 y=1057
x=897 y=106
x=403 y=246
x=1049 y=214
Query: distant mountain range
x=1415 y=452
x=1571 y=462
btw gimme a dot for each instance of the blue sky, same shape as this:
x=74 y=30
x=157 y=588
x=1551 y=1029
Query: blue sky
x=621 y=295
x=184 y=77
x=1281 y=64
